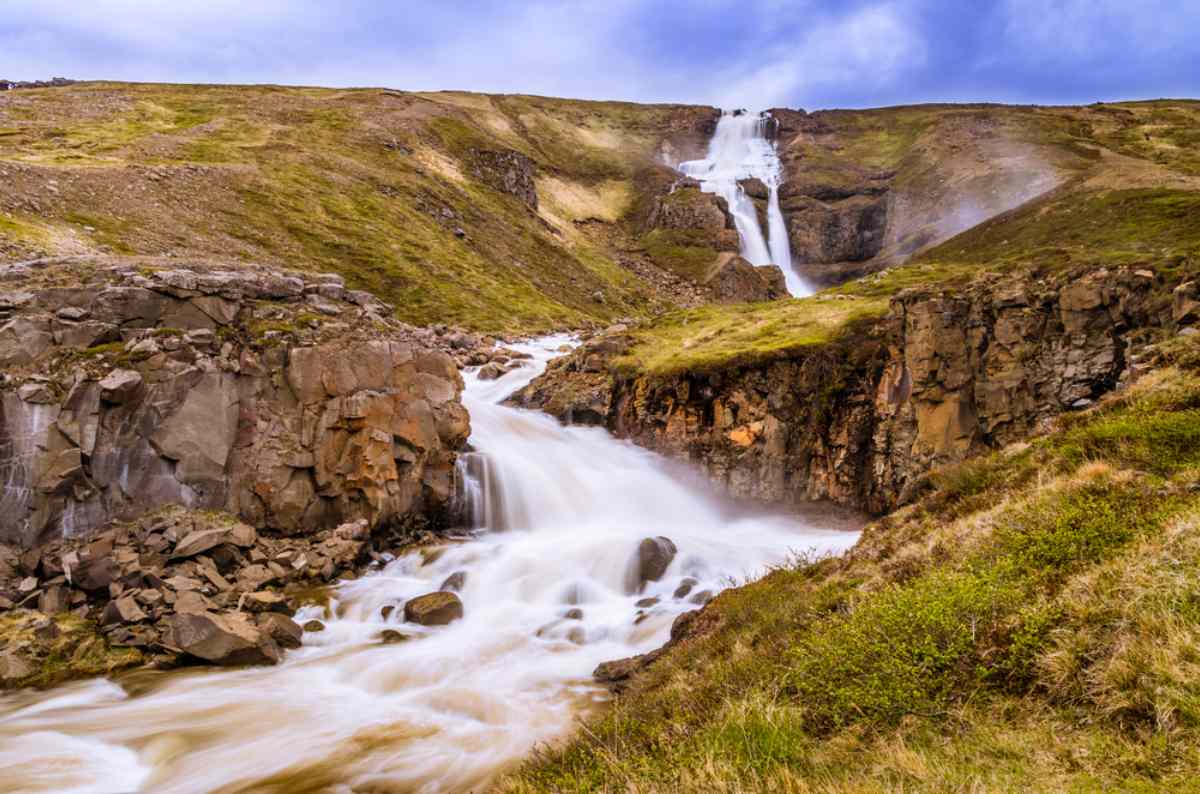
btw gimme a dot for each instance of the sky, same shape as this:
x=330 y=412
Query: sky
x=729 y=53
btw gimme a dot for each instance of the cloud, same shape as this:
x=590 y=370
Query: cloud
x=808 y=53
x=876 y=45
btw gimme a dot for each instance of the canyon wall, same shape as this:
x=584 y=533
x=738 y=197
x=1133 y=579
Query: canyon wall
x=943 y=375
x=283 y=398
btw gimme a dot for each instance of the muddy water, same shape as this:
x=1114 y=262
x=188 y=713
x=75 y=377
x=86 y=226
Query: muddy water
x=449 y=708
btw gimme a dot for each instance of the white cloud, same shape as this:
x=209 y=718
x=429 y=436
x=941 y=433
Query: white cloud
x=874 y=46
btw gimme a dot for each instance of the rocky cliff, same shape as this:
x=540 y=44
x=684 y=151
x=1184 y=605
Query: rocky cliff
x=944 y=374
x=285 y=399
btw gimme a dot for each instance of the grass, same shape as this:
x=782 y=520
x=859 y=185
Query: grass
x=714 y=336
x=1031 y=624
x=378 y=186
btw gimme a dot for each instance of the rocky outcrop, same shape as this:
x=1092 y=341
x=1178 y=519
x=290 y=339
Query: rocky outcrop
x=737 y=281
x=829 y=237
x=943 y=375
x=288 y=400
x=507 y=171
x=703 y=217
x=178 y=585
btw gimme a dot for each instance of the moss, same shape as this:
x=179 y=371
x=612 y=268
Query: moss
x=71 y=648
x=686 y=252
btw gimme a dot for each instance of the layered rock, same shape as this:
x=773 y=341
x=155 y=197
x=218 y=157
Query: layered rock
x=944 y=375
x=288 y=400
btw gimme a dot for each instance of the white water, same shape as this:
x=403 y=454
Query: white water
x=449 y=709
x=739 y=150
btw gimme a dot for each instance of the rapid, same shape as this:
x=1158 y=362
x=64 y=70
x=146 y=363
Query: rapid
x=563 y=511
x=740 y=149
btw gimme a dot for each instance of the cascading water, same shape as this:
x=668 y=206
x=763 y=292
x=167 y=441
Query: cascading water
x=454 y=705
x=741 y=149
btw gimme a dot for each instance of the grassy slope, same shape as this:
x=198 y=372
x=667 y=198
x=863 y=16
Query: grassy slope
x=1131 y=204
x=1029 y=625
x=368 y=183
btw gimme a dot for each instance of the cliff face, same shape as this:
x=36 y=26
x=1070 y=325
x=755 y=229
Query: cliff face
x=943 y=375
x=290 y=401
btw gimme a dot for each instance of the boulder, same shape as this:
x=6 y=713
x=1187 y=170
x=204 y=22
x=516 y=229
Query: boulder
x=649 y=563
x=490 y=371
x=224 y=639
x=391 y=636
x=737 y=281
x=202 y=540
x=265 y=601
x=281 y=628
x=123 y=610
x=433 y=609
x=120 y=386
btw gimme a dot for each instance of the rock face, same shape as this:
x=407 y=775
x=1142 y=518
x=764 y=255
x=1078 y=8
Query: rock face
x=942 y=376
x=507 y=171
x=293 y=402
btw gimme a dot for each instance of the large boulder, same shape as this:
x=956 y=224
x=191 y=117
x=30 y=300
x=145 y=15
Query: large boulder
x=434 y=609
x=224 y=639
x=202 y=540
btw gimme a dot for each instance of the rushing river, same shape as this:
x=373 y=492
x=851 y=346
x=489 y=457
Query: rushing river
x=449 y=709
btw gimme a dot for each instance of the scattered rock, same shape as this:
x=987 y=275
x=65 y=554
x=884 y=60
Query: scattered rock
x=455 y=582
x=282 y=629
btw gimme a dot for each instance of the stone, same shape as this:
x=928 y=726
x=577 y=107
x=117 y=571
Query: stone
x=684 y=588
x=490 y=371
x=120 y=386
x=650 y=562
x=36 y=393
x=391 y=636
x=265 y=601
x=455 y=581
x=573 y=614
x=314 y=626
x=433 y=609
x=123 y=610
x=223 y=639
x=386 y=611
x=282 y=629
x=94 y=573
x=646 y=603
x=200 y=541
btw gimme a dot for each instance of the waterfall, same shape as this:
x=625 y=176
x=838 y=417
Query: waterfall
x=741 y=149
x=560 y=512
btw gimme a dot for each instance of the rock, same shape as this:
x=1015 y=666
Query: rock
x=123 y=610
x=755 y=188
x=649 y=563
x=617 y=673
x=14 y=667
x=737 y=281
x=684 y=588
x=224 y=639
x=490 y=371
x=391 y=636
x=95 y=573
x=200 y=541
x=646 y=603
x=433 y=609
x=386 y=611
x=573 y=614
x=265 y=601
x=282 y=629
x=455 y=581
x=507 y=171
x=120 y=386
x=703 y=597
x=36 y=393
x=314 y=626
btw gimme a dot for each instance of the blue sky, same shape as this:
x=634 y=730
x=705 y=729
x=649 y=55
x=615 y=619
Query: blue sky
x=753 y=53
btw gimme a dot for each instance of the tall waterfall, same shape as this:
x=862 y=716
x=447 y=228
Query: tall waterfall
x=546 y=599
x=741 y=149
